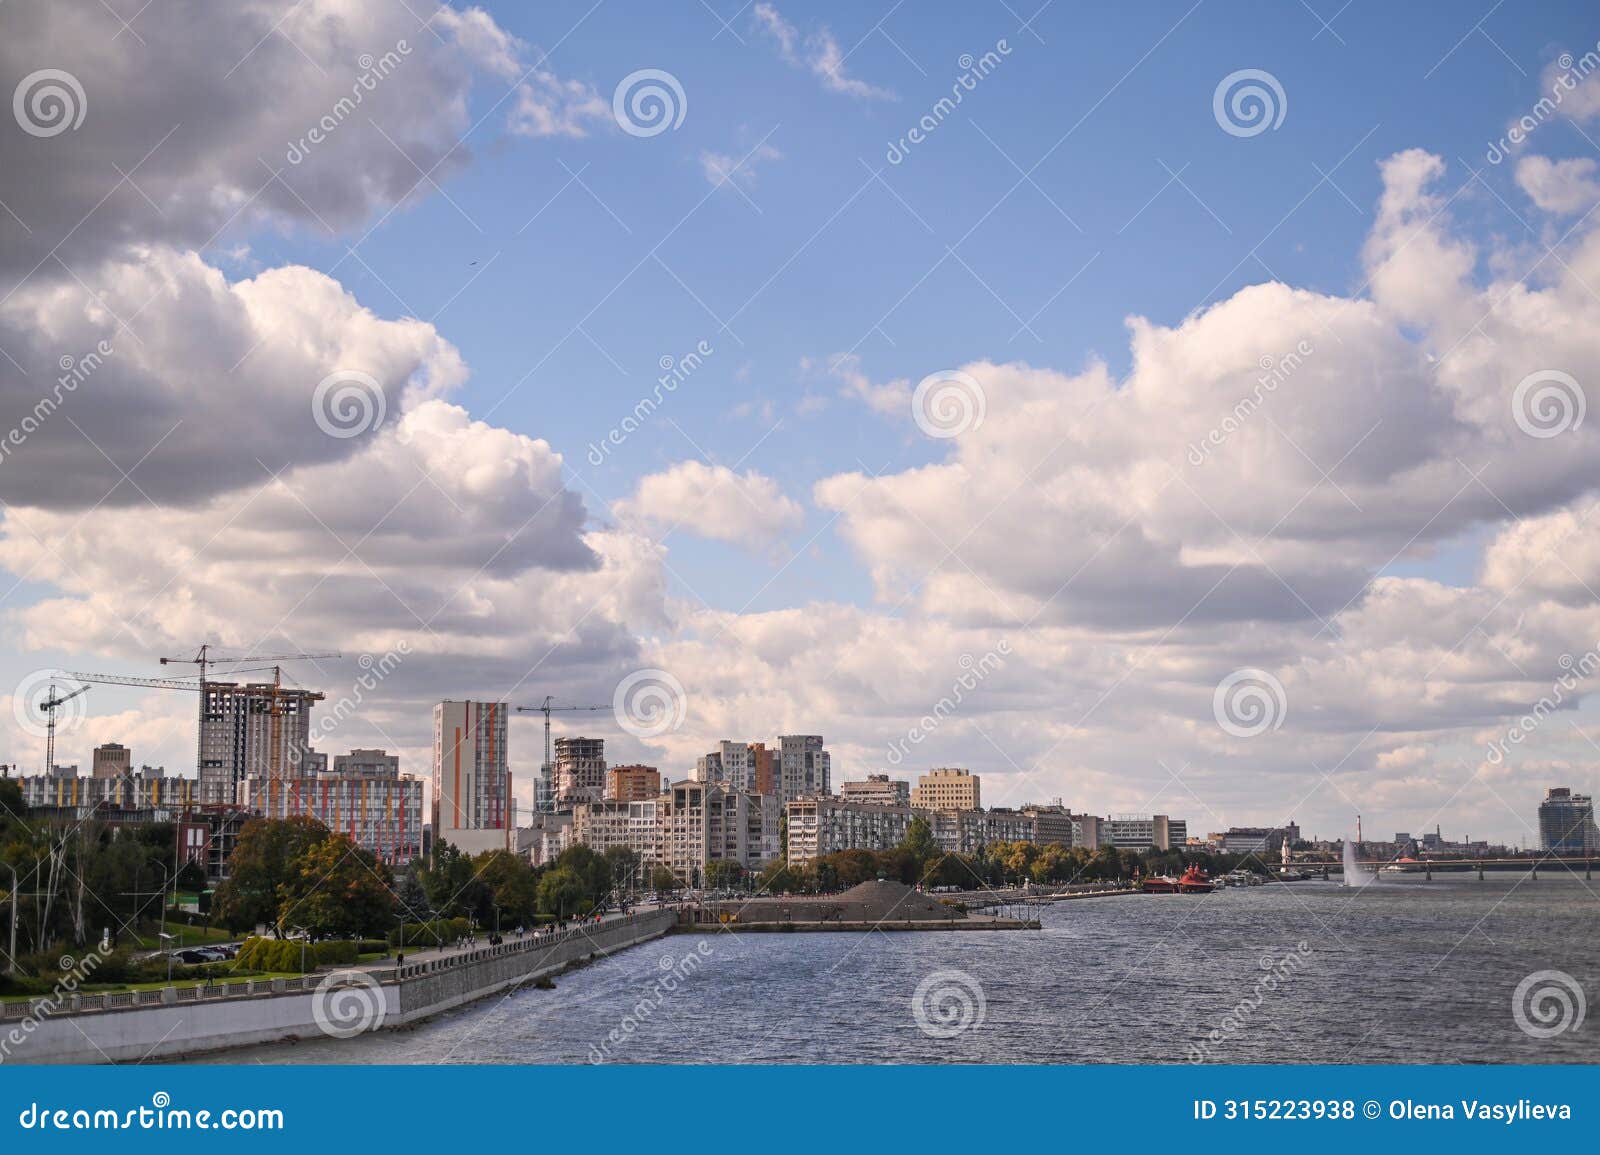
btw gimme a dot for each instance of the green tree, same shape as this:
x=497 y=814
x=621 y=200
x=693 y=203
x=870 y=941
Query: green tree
x=919 y=841
x=593 y=872
x=264 y=861
x=192 y=877
x=510 y=885
x=562 y=893
x=722 y=874
x=623 y=862
x=452 y=884
x=663 y=880
x=334 y=887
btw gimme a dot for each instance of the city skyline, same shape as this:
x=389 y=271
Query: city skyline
x=1195 y=404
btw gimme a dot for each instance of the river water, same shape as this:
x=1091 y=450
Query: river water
x=1401 y=971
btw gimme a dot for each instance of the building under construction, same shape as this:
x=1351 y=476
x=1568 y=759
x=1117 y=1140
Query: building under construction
x=252 y=729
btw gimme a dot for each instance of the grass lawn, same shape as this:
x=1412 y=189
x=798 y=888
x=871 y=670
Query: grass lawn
x=184 y=935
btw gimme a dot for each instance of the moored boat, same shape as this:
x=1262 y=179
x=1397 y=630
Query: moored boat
x=1194 y=881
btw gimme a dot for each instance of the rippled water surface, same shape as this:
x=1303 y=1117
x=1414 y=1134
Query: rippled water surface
x=1402 y=971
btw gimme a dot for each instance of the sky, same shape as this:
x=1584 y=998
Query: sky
x=1168 y=408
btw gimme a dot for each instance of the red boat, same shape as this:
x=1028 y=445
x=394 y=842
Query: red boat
x=1193 y=881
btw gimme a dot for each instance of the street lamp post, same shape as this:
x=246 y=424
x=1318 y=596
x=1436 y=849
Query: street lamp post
x=11 y=958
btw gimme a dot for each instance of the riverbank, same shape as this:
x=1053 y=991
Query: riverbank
x=181 y=1022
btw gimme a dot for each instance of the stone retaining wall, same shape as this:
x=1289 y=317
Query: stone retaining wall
x=132 y=1026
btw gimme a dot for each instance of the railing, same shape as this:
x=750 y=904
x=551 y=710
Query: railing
x=115 y=1000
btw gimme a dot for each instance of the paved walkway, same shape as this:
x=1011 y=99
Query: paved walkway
x=510 y=937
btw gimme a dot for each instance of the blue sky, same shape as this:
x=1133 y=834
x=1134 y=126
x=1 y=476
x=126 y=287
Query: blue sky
x=1088 y=104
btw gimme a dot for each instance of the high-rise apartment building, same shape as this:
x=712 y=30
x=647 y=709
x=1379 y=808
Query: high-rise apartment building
x=111 y=760
x=947 y=789
x=237 y=727
x=731 y=763
x=632 y=784
x=704 y=822
x=367 y=764
x=580 y=772
x=471 y=778
x=820 y=825
x=877 y=790
x=364 y=797
x=765 y=774
x=1566 y=822
x=633 y=824
x=803 y=767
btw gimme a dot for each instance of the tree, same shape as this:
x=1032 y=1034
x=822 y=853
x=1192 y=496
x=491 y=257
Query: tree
x=623 y=862
x=663 y=880
x=411 y=898
x=919 y=841
x=778 y=877
x=452 y=884
x=336 y=888
x=561 y=892
x=724 y=874
x=592 y=871
x=12 y=808
x=510 y=885
x=191 y=876
x=264 y=860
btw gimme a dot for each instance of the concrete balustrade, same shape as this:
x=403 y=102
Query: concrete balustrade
x=129 y=1026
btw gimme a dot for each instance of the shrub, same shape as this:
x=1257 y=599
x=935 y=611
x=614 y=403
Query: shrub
x=372 y=946
x=416 y=935
x=339 y=953
x=284 y=954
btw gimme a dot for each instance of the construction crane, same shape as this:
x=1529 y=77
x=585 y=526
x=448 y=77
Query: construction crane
x=548 y=707
x=50 y=705
x=204 y=658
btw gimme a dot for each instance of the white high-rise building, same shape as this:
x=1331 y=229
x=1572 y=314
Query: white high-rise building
x=471 y=778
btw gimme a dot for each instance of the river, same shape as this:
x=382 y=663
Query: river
x=1401 y=971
